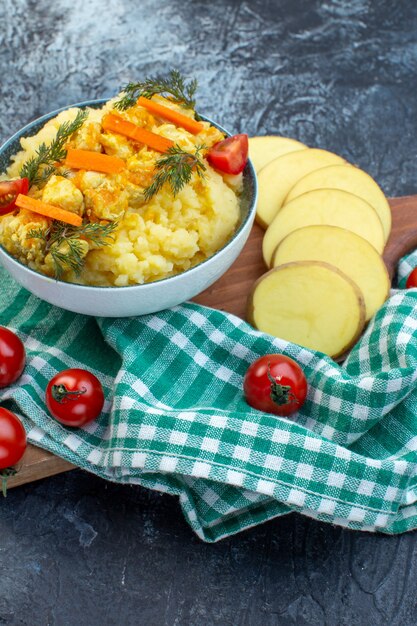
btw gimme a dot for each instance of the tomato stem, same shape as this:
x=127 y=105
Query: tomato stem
x=5 y=475
x=63 y=395
x=280 y=394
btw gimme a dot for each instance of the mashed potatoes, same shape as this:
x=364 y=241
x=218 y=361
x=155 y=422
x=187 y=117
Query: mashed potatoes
x=152 y=239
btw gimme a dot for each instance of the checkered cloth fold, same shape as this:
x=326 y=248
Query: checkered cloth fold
x=175 y=419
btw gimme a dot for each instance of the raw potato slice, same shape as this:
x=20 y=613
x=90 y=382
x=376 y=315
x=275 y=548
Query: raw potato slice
x=262 y=150
x=350 y=179
x=351 y=254
x=277 y=178
x=324 y=206
x=309 y=303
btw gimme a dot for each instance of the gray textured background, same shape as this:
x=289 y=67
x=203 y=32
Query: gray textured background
x=340 y=75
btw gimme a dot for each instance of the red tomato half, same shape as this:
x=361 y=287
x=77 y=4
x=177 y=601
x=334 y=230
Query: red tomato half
x=12 y=439
x=230 y=155
x=412 y=279
x=74 y=397
x=9 y=190
x=275 y=384
x=12 y=357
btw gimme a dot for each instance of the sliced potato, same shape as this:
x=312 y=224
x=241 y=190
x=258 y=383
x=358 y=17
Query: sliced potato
x=324 y=206
x=309 y=303
x=351 y=254
x=277 y=178
x=350 y=179
x=262 y=150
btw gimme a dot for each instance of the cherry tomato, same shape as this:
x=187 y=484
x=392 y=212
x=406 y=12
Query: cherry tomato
x=12 y=357
x=274 y=383
x=12 y=439
x=412 y=279
x=230 y=155
x=9 y=190
x=74 y=397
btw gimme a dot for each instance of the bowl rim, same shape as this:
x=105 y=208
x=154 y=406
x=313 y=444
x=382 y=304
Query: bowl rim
x=249 y=168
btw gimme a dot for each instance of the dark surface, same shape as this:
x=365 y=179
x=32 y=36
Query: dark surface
x=340 y=75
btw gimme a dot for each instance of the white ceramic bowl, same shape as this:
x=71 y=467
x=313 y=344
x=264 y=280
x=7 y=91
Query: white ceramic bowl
x=135 y=299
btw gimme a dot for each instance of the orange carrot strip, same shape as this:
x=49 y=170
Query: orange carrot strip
x=48 y=210
x=89 y=160
x=117 y=124
x=169 y=114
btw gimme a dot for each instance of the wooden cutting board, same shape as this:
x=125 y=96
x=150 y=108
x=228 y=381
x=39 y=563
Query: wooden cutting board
x=229 y=294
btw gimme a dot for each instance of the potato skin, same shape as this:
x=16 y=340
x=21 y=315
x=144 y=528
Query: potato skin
x=293 y=165
x=331 y=207
x=250 y=315
x=359 y=182
x=274 y=146
x=319 y=236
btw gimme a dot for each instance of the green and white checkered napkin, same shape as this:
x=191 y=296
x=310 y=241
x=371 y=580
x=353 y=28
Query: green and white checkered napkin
x=175 y=419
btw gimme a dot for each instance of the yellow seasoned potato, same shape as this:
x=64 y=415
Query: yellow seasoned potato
x=15 y=229
x=88 y=137
x=116 y=145
x=62 y=192
x=106 y=204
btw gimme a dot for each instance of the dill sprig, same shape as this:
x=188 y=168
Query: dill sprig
x=41 y=166
x=176 y=168
x=65 y=243
x=173 y=86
